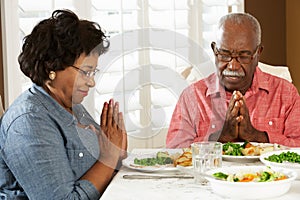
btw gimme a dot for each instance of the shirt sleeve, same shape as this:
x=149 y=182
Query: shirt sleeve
x=35 y=153
x=182 y=131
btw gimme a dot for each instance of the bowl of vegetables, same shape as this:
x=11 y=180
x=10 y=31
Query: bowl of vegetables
x=285 y=159
x=250 y=182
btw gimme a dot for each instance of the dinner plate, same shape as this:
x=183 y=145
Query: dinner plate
x=245 y=159
x=129 y=161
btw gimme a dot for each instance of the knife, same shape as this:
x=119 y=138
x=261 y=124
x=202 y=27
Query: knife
x=136 y=176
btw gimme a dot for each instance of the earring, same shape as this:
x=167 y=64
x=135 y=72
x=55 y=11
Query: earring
x=52 y=75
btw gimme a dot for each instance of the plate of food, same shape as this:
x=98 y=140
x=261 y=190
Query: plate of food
x=286 y=159
x=247 y=151
x=250 y=182
x=162 y=160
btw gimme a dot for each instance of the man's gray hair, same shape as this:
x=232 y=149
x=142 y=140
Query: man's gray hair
x=242 y=18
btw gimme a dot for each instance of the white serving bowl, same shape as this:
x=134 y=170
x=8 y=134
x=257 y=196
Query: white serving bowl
x=285 y=165
x=250 y=190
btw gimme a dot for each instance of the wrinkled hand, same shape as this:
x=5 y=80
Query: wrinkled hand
x=238 y=125
x=245 y=128
x=230 y=129
x=113 y=136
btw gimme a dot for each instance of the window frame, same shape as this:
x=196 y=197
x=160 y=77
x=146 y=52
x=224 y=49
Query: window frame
x=14 y=79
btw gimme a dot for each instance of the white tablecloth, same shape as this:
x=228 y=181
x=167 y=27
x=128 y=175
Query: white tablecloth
x=171 y=188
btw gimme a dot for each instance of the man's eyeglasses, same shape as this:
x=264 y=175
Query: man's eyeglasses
x=243 y=57
x=86 y=74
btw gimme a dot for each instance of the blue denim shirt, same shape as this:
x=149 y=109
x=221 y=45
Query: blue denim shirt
x=43 y=153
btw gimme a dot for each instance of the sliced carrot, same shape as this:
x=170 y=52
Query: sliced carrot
x=281 y=178
x=248 y=178
x=248 y=145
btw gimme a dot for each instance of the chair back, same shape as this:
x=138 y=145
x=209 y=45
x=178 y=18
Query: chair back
x=280 y=71
x=1 y=107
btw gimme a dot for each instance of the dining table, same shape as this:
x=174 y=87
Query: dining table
x=133 y=184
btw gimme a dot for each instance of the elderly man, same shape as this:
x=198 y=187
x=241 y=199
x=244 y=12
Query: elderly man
x=239 y=102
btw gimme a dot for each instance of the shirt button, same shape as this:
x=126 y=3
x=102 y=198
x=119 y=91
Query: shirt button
x=80 y=154
x=270 y=123
x=213 y=126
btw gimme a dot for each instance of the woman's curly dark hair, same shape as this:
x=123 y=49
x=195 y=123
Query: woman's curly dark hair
x=56 y=43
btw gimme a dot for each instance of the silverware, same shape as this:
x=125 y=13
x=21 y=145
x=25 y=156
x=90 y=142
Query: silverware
x=142 y=176
x=137 y=176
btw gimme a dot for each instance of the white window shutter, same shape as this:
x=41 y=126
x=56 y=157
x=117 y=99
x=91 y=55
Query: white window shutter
x=150 y=61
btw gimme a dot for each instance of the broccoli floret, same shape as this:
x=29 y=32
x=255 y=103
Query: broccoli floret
x=220 y=175
x=236 y=180
x=245 y=144
x=265 y=176
x=162 y=154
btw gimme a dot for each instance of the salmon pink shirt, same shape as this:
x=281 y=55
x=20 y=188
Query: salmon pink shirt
x=273 y=104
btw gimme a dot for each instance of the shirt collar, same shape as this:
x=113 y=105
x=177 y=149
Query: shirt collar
x=49 y=102
x=260 y=81
x=213 y=85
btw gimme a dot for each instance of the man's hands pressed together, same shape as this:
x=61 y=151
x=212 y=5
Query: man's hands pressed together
x=237 y=125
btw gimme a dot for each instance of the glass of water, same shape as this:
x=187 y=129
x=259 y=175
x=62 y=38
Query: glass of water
x=206 y=156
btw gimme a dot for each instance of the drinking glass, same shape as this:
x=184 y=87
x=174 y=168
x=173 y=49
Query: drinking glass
x=205 y=156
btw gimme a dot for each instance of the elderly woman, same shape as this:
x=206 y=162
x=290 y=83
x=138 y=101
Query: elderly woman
x=51 y=148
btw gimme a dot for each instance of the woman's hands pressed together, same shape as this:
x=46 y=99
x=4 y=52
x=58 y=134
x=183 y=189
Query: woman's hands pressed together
x=113 y=136
x=112 y=139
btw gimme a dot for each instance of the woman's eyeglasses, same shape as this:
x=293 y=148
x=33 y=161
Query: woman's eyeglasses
x=86 y=74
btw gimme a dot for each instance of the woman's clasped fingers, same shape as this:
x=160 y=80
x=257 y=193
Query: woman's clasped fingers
x=103 y=119
x=110 y=112
x=115 y=119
